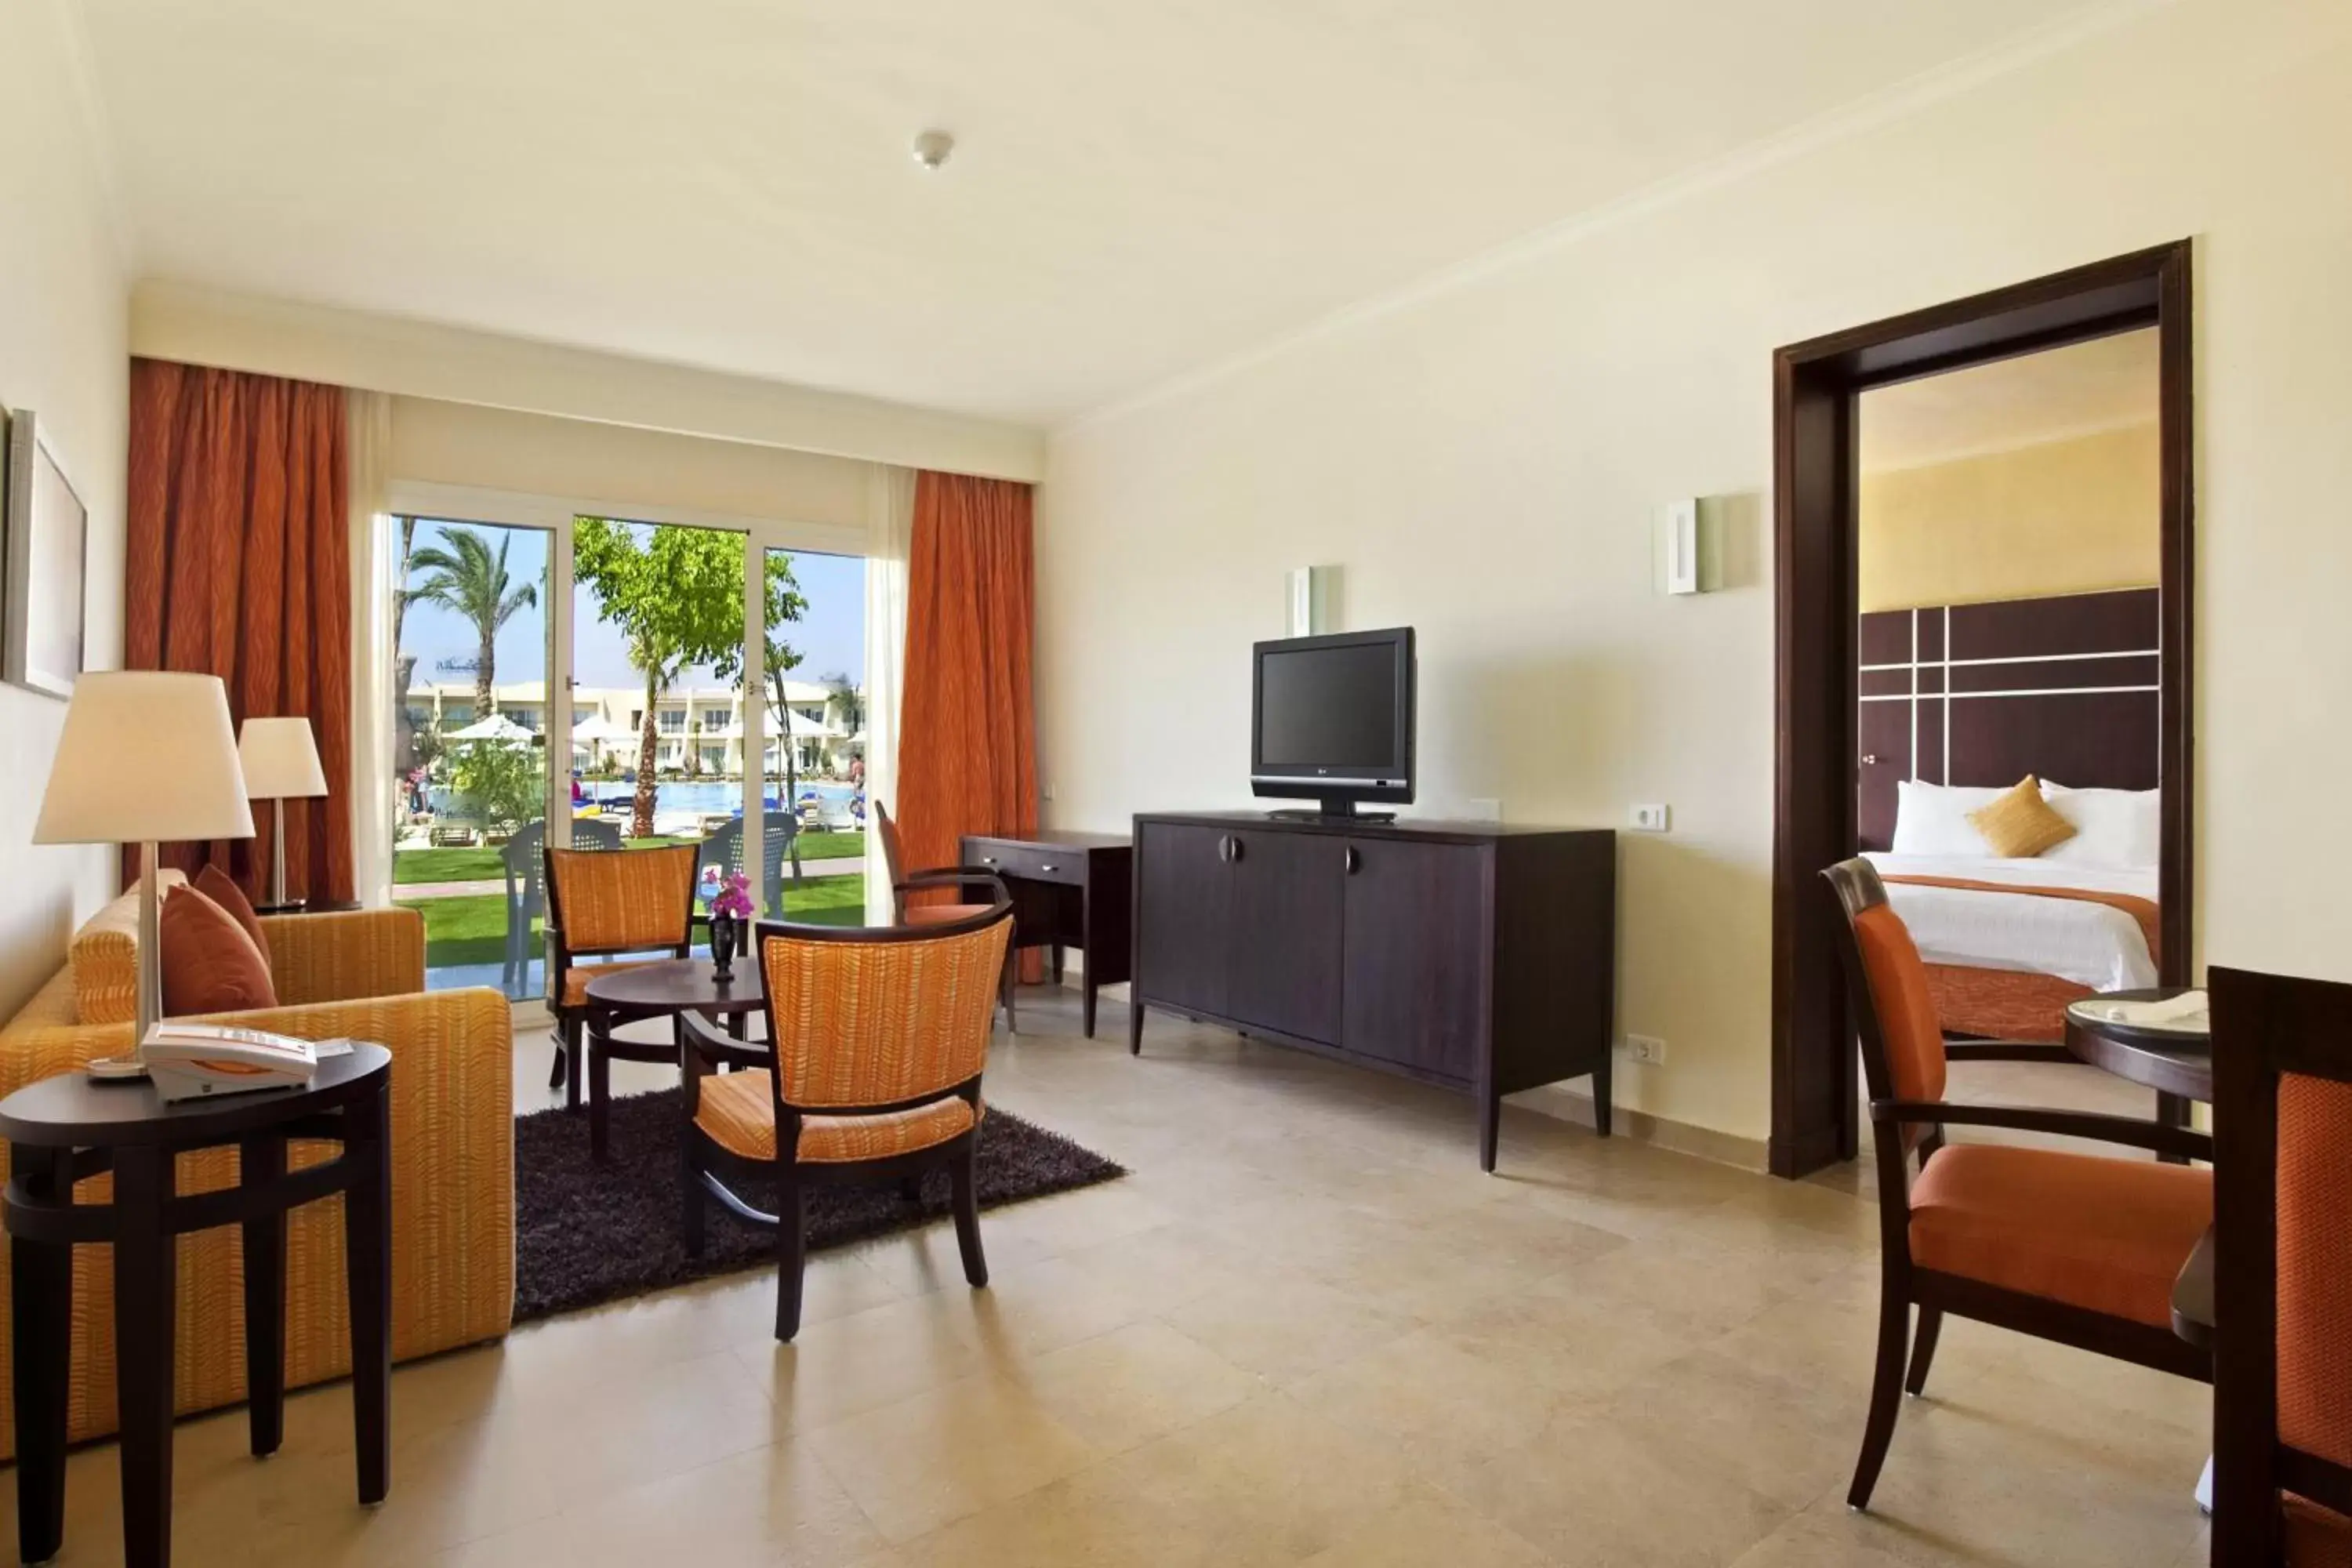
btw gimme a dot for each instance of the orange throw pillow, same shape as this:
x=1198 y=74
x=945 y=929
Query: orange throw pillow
x=221 y=888
x=210 y=965
x=2020 y=824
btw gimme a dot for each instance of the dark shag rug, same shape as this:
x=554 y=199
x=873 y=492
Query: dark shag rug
x=587 y=1233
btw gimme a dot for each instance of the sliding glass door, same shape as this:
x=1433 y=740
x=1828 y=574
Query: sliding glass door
x=473 y=644
x=594 y=681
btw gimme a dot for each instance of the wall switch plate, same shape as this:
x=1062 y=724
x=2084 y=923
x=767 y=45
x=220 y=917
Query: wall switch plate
x=1046 y=793
x=1481 y=808
x=1653 y=818
x=1647 y=1049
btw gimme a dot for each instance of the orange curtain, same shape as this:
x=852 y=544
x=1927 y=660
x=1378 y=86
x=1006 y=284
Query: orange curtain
x=239 y=566
x=967 y=730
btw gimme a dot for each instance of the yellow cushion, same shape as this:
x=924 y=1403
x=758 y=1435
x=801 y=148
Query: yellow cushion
x=104 y=957
x=2020 y=824
x=738 y=1111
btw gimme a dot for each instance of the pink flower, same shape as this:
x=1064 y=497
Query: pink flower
x=734 y=898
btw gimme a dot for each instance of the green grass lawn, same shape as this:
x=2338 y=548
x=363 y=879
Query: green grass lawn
x=473 y=929
x=483 y=865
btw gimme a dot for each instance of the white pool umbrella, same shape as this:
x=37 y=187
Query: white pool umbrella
x=496 y=727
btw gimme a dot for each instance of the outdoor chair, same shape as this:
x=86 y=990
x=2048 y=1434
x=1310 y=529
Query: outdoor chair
x=778 y=829
x=526 y=901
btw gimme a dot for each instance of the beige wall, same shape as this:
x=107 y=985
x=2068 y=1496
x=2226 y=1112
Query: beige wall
x=2061 y=517
x=630 y=472
x=1484 y=458
x=63 y=319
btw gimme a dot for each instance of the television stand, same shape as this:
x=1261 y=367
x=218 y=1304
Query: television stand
x=1330 y=811
x=1474 y=956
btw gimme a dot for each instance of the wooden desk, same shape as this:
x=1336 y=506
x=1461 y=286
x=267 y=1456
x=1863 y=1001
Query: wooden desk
x=1069 y=889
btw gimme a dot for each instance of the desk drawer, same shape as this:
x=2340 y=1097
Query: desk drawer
x=1037 y=862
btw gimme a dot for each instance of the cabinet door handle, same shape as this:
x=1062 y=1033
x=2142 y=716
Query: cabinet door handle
x=1237 y=849
x=1355 y=862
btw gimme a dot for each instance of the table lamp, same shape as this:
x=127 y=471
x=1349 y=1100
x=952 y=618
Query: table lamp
x=280 y=761
x=146 y=757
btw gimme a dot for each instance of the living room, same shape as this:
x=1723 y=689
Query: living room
x=1027 y=371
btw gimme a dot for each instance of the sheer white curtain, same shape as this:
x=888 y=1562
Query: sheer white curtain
x=370 y=442
x=889 y=531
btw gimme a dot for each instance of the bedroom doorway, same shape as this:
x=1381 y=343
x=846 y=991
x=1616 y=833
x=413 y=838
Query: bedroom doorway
x=1946 y=628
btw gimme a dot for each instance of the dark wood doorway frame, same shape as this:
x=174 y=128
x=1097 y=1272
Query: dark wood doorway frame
x=1816 y=435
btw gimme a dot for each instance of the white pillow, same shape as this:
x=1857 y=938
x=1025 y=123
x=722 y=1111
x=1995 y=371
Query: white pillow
x=2112 y=826
x=1933 y=819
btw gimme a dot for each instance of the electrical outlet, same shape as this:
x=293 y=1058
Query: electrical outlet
x=1046 y=794
x=1647 y=1049
x=1651 y=818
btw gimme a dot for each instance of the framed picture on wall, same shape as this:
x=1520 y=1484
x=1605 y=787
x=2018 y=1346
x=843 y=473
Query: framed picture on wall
x=47 y=535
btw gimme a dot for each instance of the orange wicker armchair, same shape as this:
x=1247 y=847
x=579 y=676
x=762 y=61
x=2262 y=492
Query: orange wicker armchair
x=880 y=1036
x=2079 y=1249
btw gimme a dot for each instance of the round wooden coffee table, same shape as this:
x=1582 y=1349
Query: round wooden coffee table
x=663 y=989
x=2176 y=1063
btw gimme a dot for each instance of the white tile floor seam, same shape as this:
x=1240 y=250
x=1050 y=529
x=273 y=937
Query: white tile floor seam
x=1305 y=1330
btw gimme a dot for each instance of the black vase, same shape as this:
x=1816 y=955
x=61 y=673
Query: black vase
x=724 y=929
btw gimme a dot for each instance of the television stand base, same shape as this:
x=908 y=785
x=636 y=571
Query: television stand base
x=1330 y=811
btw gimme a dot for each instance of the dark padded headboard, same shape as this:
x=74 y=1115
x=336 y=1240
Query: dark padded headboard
x=2064 y=688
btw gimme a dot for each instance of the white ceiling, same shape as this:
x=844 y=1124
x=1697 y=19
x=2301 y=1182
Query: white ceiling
x=1141 y=189
x=2103 y=384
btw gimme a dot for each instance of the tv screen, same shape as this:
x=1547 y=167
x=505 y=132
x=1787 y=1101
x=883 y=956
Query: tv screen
x=1332 y=718
x=1328 y=708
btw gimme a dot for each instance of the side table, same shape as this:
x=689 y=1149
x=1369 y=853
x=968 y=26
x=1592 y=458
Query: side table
x=67 y=1128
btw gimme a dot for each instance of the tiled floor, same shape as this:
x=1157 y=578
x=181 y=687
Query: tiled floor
x=1306 y=1330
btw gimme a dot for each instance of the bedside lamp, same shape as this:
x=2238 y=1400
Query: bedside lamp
x=280 y=761
x=146 y=757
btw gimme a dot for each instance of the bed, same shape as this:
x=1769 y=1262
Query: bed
x=1956 y=703
x=2010 y=942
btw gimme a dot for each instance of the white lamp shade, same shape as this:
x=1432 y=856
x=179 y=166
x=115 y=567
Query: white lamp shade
x=281 y=761
x=146 y=756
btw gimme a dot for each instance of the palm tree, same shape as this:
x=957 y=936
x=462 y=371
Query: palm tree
x=845 y=704
x=466 y=578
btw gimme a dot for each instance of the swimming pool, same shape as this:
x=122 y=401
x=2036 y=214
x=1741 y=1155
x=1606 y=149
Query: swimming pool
x=678 y=802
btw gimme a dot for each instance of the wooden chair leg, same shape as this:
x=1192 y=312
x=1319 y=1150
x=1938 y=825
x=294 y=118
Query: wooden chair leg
x=572 y=1050
x=792 y=1259
x=1922 y=1348
x=1885 y=1392
x=965 y=1174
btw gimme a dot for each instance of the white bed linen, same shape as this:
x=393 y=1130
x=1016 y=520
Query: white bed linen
x=2092 y=944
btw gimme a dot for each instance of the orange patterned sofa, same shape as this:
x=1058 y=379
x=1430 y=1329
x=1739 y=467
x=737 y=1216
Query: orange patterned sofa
x=359 y=975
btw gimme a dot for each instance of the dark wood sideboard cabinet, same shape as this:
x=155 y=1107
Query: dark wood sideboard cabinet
x=1473 y=955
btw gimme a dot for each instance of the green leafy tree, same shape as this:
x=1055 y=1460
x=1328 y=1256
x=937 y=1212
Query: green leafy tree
x=675 y=596
x=497 y=782
x=467 y=578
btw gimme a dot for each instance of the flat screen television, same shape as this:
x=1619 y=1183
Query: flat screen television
x=1331 y=720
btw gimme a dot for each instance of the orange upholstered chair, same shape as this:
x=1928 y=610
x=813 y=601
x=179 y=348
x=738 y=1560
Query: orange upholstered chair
x=602 y=903
x=903 y=882
x=2079 y=1249
x=879 y=1035
x=2282 y=1271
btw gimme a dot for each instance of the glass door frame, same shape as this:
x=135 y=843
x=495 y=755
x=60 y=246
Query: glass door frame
x=554 y=514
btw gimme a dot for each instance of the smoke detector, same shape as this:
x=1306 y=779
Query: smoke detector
x=932 y=148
